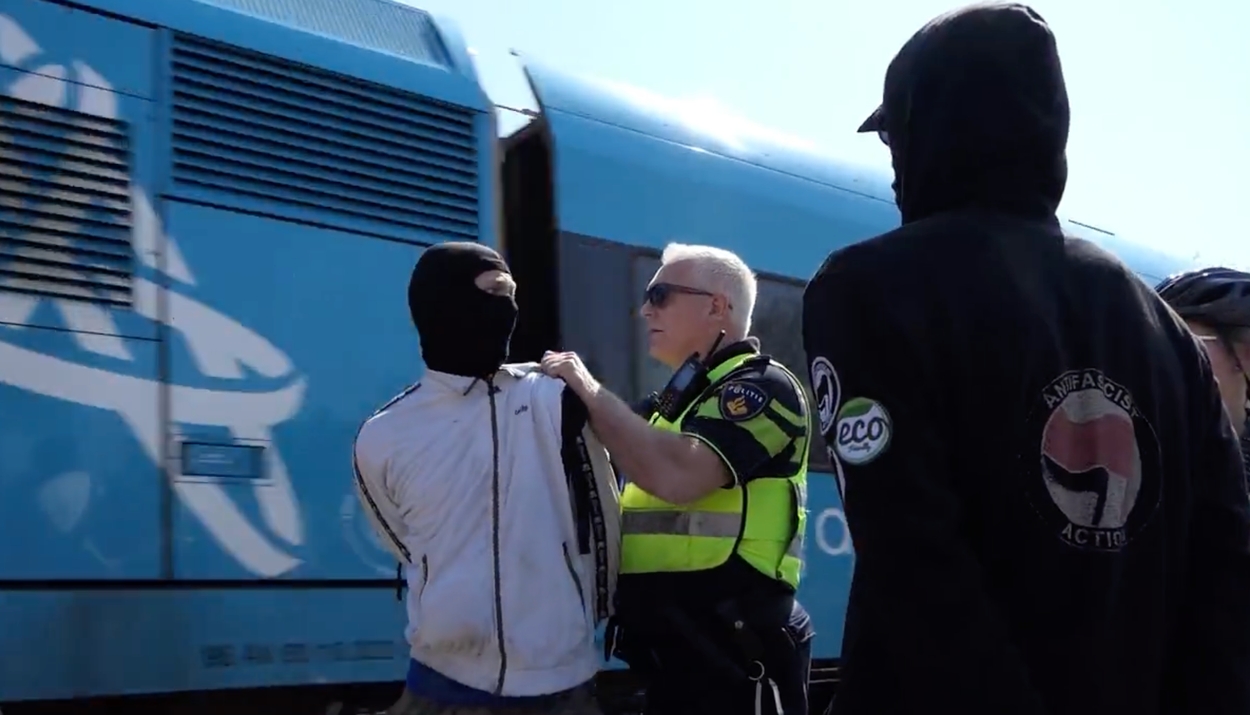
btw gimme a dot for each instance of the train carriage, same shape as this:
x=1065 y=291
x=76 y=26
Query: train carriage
x=208 y=212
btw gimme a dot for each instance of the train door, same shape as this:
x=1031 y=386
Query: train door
x=574 y=292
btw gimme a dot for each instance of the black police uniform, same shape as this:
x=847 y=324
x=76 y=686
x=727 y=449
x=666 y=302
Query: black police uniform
x=1044 y=496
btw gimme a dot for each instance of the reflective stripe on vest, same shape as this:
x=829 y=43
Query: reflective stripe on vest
x=661 y=537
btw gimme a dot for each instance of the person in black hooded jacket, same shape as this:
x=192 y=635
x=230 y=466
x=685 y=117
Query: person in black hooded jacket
x=1044 y=496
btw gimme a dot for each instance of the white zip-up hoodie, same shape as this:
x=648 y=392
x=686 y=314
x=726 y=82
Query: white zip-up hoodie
x=504 y=509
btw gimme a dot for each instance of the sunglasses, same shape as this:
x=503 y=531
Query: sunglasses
x=658 y=294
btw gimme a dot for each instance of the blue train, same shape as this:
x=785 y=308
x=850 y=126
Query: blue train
x=208 y=213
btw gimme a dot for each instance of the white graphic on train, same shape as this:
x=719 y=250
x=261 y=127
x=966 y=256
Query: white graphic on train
x=219 y=346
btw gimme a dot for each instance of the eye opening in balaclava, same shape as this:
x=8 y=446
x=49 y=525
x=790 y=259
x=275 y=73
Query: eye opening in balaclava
x=464 y=330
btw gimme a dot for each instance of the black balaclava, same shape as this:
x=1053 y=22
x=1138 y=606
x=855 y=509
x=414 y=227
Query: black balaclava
x=464 y=330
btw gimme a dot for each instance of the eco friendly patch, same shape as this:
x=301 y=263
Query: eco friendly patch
x=740 y=401
x=864 y=431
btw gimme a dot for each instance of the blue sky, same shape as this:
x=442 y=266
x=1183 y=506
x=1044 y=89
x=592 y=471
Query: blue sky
x=1160 y=90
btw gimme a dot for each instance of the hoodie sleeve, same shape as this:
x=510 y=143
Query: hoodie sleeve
x=1209 y=661
x=918 y=611
x=369 y=465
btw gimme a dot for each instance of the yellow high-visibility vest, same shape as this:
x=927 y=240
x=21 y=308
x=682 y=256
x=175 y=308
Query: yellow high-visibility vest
x=762 y=520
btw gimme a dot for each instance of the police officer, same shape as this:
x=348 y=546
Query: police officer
x=1215 y=304
x=714 y=511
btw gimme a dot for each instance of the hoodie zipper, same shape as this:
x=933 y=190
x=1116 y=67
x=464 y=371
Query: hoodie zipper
x=494 y=518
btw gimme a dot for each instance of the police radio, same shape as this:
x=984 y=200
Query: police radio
x=687 y=383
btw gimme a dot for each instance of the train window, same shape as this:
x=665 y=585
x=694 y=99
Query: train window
x=777 y=324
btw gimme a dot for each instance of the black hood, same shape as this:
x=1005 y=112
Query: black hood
x=976 y=114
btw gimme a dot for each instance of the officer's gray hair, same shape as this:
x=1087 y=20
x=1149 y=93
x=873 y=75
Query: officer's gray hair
x=719 y=271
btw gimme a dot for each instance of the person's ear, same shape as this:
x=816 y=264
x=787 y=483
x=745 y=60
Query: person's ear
x=719 y=306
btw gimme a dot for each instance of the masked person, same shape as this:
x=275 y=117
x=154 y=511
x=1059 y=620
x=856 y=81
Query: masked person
x=1045 y=497
x=1215 y=304
x=486 y=482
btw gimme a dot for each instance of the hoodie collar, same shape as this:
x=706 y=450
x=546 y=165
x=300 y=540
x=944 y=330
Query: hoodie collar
x=461 y=385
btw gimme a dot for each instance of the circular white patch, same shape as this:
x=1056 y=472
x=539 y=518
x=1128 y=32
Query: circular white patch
x=826 y=389
x=864 y=430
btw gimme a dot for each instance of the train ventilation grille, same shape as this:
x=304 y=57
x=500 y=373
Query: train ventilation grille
x=272 y=137
x=65 y=214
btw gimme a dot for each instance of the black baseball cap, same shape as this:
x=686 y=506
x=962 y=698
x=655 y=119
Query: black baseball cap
x=875 y=121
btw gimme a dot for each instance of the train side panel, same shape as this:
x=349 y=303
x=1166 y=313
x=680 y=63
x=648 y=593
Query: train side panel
x=187 y=351
x=646 y=183
x=80 y=429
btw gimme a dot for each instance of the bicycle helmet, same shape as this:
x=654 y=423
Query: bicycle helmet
x=1219 y=297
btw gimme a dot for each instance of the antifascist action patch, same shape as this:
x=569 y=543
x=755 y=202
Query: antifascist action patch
x=740 y=401
x=1094 y=472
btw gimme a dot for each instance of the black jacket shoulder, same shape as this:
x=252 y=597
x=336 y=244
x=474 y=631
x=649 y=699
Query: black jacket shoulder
x=1056 y=431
